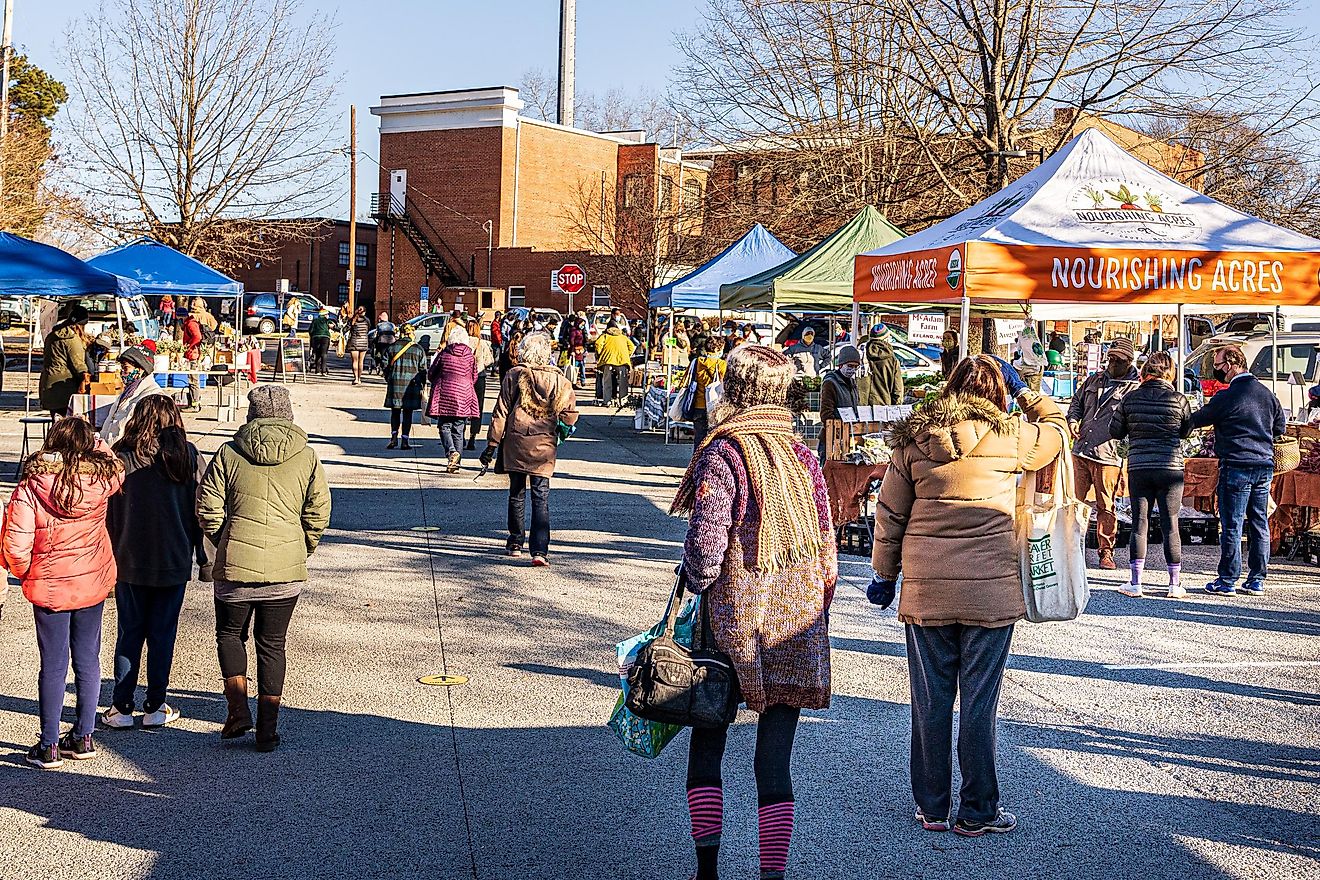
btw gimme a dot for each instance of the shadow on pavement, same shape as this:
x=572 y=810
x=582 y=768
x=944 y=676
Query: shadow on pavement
x=364 y=796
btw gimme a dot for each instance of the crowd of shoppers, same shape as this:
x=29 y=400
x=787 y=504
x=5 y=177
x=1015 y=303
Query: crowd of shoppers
x=87 y=518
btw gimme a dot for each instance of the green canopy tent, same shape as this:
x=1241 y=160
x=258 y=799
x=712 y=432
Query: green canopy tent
x=820 y=280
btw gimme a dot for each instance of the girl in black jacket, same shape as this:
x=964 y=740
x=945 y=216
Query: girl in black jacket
x=1156 y=418
x=154 y=530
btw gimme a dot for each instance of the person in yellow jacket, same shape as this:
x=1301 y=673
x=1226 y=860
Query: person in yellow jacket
x=709 y=368
x=614 y=351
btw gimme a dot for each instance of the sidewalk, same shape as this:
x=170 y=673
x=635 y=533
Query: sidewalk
x=1119 y=761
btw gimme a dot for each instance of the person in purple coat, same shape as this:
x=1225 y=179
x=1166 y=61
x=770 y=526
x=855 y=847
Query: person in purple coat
x=453 y=376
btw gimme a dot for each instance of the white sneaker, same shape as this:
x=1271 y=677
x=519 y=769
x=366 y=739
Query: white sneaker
x=115 y=719
x=1177 y=591
x=162 y=716
x=1133 y=590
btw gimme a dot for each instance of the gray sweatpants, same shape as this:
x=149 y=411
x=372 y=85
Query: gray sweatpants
x=944 y=662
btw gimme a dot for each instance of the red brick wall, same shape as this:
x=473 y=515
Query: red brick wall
x=313 y=266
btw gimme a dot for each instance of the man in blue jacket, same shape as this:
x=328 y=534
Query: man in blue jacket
x=1247 y=418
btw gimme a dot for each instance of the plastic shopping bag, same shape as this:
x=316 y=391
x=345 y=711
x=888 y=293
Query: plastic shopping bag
x=1051 y=544
x=639 y=736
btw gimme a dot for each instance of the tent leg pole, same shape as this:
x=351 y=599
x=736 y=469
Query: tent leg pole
x=774 y=319
x=1274 y=358
x=1182 y=358
x=964 y=323
x=856 y=327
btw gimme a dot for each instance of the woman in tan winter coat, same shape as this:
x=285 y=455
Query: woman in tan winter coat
x=945 y=522
x=534 y=400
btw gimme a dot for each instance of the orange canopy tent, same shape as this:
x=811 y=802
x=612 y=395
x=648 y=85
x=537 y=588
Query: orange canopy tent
x=1095 y=225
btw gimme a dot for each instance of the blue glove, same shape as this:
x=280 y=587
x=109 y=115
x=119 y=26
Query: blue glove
x=882 y=591
x=1011 y=377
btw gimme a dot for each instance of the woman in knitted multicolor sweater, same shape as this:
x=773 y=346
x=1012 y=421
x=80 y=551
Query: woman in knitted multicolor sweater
x=760 y=550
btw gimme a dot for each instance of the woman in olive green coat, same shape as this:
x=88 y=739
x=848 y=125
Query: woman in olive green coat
x=63 y=362
x=264 y=503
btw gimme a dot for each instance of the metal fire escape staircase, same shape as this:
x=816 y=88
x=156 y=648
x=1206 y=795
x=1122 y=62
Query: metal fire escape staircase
x=437 y=256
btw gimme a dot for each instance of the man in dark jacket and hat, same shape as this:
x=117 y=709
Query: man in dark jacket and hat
x=883 y=383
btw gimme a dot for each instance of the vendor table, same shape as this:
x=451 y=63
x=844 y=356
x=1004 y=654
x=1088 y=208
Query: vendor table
x=226 y=404
x=1294 y=495
x=847 y=484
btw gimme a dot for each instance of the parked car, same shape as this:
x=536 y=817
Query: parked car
x=1299 y=352
x=263 y=311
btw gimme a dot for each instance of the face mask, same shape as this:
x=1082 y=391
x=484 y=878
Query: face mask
x=1220 y=376
x=131 y=374
x=849 y=371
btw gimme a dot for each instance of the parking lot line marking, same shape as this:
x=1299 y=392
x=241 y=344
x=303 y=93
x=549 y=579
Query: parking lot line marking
x=1239 y=664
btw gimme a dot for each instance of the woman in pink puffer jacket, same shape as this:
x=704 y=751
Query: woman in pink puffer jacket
x=55 y=542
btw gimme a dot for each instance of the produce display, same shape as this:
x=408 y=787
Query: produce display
x=870 y=450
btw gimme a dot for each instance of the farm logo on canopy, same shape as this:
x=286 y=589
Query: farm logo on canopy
x=1129 y=210
x=994 y=211
x=954 y=269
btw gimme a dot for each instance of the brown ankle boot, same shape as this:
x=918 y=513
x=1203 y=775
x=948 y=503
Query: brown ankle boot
x=268 y=715
x=239 y=720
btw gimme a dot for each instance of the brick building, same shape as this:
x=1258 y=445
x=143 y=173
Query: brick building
x=475 y=195
x=319 y=266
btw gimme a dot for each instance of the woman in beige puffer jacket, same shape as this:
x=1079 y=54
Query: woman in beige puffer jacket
x=945 y=521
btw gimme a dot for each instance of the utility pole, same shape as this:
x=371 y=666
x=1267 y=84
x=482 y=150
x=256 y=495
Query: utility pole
x=6 y=50
x=352 y=207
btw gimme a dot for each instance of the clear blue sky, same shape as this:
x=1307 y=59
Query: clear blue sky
x=397 y=46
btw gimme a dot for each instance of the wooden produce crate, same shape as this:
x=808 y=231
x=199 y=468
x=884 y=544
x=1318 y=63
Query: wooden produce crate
x=840 y=436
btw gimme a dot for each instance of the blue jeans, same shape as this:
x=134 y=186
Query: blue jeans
x=150 y=616
x=61 y=634
x=540 y=490
x=451 y=434
x=1244 y=498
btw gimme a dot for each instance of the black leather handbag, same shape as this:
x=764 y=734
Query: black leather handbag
x=674 y=685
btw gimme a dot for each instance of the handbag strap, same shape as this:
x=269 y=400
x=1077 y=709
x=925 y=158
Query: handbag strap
x=675 y=602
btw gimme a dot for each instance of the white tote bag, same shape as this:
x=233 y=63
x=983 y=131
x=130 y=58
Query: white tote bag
x=681 y=404
x=1052 y=545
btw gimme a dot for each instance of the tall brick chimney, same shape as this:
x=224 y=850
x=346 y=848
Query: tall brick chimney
x=567 y=48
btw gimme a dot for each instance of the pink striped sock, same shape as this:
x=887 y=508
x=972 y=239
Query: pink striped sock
x=706 y=808
x=775 y=823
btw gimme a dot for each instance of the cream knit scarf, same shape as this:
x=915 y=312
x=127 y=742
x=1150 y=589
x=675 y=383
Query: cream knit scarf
x=781 y=485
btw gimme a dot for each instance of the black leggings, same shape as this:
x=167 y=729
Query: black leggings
x=1164 y=488
x=401 y=416
x=270 y=631
x=774 y=754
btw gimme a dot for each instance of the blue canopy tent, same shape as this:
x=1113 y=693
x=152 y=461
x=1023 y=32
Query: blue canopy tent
x=160 y=270
x=700 y=289
x=30 y=268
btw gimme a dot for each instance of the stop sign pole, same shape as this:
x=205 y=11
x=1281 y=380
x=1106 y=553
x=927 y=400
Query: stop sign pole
x=570 y=279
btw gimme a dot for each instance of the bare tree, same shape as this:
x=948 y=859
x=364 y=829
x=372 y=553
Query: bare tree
x=643 y=236
x=198 y=117
x=613 y=110
x=994 y=71
x=815 y=100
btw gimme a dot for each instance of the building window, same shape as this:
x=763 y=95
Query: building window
x=343 y=253
x=744 y=183
x=600 y=296
x=362 y=256
x=517 y=297
x=634 y=191
x=343 y=291
x=691 y=194
x=666 y=193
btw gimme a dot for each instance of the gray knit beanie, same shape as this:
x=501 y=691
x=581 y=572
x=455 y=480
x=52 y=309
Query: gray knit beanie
x=848 y=354
x=269 y=402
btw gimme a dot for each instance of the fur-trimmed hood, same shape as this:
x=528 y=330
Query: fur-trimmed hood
x=541 y=390
x=41 y=470
x=950 y=426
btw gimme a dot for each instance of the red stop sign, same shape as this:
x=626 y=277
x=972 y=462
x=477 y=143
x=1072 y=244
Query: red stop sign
x=571 y=278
